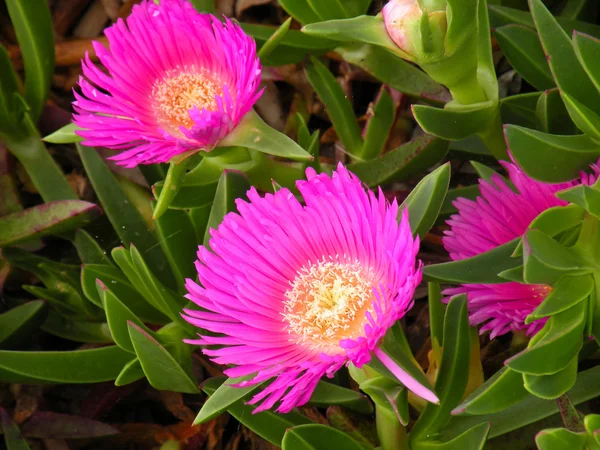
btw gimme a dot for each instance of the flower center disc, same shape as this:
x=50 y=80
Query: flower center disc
x=327 y=302
x=181 y=90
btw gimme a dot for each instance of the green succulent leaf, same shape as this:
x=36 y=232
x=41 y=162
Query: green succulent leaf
x=232 y=185
x=455 y=123
x=392 y=70
x=566 y=293
x=520 y=109
x=560 y=438
x=561 y=337
x=64 y=135
x=379 y=124
x=452 y=377
x=268 y=425
x=472 y=439
x=49 y=218
x=93 y=366
x=126 y=220
x=337 y=105
x=502 y=390
x=388 y=395
x=400 y=163
x=253 y=133
x=548 y=157
x=317 y=437
x=481 y=269
x=327 y=394
x=552 y=115
x=132 y=371
x=17 y=324
x=552 y=386
x=161 y=368
x=33 y=25
x=426 y=199
x=521 y=46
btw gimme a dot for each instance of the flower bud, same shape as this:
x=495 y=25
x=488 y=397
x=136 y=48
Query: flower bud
x=418 y=28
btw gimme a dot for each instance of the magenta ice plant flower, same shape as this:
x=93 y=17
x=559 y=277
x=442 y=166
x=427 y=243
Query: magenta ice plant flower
x=178 y=81
x=294 y=292
x=496 y=217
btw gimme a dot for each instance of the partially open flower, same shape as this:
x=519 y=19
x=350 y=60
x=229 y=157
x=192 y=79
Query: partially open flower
x=297 y=291
x=178 y=81
x=498 y=216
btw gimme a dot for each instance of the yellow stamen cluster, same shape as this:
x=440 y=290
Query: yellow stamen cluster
x=180 y=90
x=327 y=302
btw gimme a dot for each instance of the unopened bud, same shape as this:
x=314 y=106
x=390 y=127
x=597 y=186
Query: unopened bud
x=418 y=28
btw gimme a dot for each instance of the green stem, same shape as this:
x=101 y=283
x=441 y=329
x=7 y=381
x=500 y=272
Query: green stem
x=392 y=434
x=468 y=90
x=493 y=138
x=45 y=174
x=173 y=183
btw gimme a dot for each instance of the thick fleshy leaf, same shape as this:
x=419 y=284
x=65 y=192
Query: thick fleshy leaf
x=392 y=70
x=9 y=85
x=548 y=157
x=132 y=371
x=93 y=366
x=19 y=323
x=382 y=115
x=33 y=25
x=118 y=316
x=117 y=282
x=225 y=396
x=253 y=133
x=520 y=109
x=317 y=437
x=51 y=425
x=521 y=46
x=400 y=163
x=566 y=69
x=566 y=293
x=426 y=200
x=436 y=317
x=268 y=425
x=161 y=369
x=126 y=220
x=337 y=105
x=552 y=115
x=177 y=237
x=586 y=197
x=232 y=185
x=545 y=260
x=502 y=390
x=387 y=394
x=64 y=135
x=529 y=410
x=77 y=330
x=365 y=29
x=561 y=337
x=45 y=174
x=274 y=40
x=327 y=394
x=172 y=184
x=502 y=15
x=587 y=50
x=190 y=195
x=560 y=438
x=456 y=123
x=586 y=120
x=12 y=436
x=470 y=192
x=452 y=377
x=552 y=386
x=481 y=269
x=472 y=439
x=49 y=218
x=89 y=249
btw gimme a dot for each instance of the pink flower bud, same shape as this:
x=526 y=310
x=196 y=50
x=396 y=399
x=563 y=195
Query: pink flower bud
x=403 y=22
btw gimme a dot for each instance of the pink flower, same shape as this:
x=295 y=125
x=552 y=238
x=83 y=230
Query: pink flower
x=498 y=216
x=178 y=81
x=295 y=292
